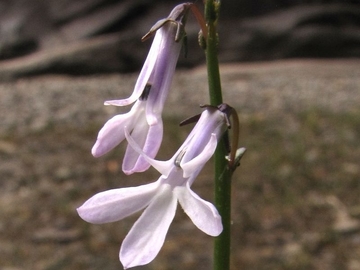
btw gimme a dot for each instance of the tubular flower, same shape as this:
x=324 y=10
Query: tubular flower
x=147 y=236
x=152 y=86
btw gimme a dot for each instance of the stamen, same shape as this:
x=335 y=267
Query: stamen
x=145 y=94
x=153 y=29
x=189 y=120
x=179 y=158
x=180 y=32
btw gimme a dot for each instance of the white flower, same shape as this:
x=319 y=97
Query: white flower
x=147 y=236
x=144 y=120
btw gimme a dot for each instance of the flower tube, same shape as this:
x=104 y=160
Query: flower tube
x=144 y=120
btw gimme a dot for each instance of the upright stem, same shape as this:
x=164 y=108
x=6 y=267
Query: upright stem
x=211 y=55
x=222 y=172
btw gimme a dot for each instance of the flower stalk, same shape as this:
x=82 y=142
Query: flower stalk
x=223 y=172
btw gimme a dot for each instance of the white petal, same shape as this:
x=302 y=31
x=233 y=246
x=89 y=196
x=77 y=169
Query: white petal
x=151 y=117
x=116 y=204
x=164 y=167
x=147 y=236
x=211 y=121
x=111 y=134
x=144 y=75
x=139 y=134
x=153 y=139
x=198 y=162
x=202 y=213
x=151 y=145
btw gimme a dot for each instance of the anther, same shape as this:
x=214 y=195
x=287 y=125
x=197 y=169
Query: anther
x=145 y=94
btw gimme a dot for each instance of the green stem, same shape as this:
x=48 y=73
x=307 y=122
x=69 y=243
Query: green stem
x=222 y=172
x=223 y=204
x=212 y=61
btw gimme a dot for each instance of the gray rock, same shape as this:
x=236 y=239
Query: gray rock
x=97 y=36
x=82 y=57
x=101 y=21
x=302 y=31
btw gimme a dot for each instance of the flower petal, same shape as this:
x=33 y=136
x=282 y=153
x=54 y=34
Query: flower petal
x=164 y=167
x=202 y=213
x=116 y=204
x=147 y=236
x=198 y=162
x=147 y=137
x=111 y=134
x=144 y=75
x=163 y=72
x=139 y=133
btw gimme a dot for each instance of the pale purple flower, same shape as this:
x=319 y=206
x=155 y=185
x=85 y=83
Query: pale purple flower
x=147 y=236
x=144 y=119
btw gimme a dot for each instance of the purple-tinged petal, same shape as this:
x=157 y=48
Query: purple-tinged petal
x=202 y=213
x=145 y=73
x=140 y=133
x=164 y=167
x=147 y=236
x=151 y=118
x=163 y=72
x=111 y=134
x=149 y=141
x=151 y=146
x=199 y=161
x=115 y=204
x=211 y=121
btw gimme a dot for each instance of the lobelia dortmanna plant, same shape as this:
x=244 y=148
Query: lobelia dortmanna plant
x=142 y=127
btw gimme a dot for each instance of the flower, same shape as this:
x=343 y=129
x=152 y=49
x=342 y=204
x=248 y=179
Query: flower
x=147 y=236
x=144 y=119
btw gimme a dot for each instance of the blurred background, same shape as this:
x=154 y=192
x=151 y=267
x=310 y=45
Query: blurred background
x=92 y=36
x=290 y=68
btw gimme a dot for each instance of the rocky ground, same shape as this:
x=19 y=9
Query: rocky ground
x=102 y=36
x=295 y=197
